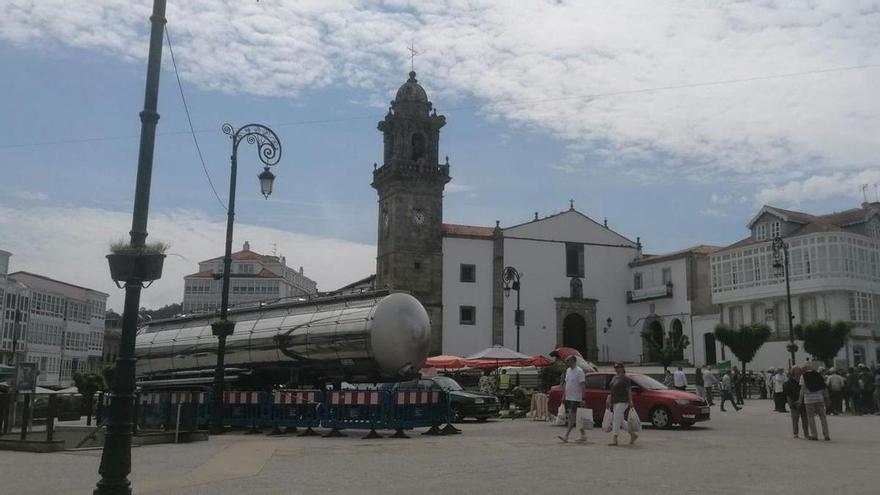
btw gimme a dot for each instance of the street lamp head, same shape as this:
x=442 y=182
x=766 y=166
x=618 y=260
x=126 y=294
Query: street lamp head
x=267 y=178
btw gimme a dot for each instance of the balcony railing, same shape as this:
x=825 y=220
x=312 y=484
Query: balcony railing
x=648 y=293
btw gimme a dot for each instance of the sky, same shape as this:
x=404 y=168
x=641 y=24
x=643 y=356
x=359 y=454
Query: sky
x=675 y=121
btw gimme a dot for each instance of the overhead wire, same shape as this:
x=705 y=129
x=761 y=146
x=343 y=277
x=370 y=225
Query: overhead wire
x=189 y=120
x=511 y=101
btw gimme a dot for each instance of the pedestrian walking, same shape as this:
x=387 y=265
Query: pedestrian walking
x=574 y=396
x=737 y=385
x=795 y=406
x=727 y=391
x=836 y=390
x=618 y=401
x=813 y=395
x=853 y=392
x=866 y=381
x=667 y=379
x=778 y=393
x=710 y=381
x=679 y=379
x=698 y=381
x=877 y=391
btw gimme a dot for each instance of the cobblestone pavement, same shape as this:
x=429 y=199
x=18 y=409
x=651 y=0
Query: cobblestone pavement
x=746 y=452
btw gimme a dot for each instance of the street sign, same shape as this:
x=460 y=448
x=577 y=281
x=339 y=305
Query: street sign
x=519 y=317
x=26 y=377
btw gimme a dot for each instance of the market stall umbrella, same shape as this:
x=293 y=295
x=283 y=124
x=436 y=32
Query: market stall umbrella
x=445 y=362
x=498 y=353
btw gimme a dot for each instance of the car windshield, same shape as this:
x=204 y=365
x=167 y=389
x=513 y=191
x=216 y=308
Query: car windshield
x=447 y=383
x=648 y=383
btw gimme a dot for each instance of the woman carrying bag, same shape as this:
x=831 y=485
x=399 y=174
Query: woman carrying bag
x=619 y=400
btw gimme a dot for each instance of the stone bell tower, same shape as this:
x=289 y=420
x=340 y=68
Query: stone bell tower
x=410 y=184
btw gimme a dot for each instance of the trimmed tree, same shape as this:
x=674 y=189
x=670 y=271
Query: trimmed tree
x=823 y=340
x=744 y=341
x=88 y=384
x=669 y=349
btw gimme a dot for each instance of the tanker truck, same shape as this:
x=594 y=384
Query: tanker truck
x=375 y=336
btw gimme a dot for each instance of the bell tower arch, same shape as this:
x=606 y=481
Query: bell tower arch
x=410 y=185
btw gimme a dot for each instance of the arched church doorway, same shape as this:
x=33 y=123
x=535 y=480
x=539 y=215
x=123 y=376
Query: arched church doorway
x=654 y=330
x=676 y=333
x=574 y=333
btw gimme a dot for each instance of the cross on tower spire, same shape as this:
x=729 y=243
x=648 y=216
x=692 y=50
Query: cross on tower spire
x=412 y=56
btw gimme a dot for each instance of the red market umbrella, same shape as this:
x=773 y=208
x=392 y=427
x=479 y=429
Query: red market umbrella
x=445 y=362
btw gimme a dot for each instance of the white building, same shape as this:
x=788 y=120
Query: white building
x=254 y=278
x=60 y=325
x=834 y=273
x=573 y=279
x=669 y=296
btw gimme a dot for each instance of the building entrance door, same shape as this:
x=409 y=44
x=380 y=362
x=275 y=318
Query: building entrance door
x=574 y=333
x=709 y=344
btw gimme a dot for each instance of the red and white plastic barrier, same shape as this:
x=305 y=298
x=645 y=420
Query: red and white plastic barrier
x=371 y=398
x=294 y=397
x=417 y=397
x=241 y=398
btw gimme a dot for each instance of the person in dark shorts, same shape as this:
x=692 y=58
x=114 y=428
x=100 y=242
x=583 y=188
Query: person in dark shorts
x=574 y=382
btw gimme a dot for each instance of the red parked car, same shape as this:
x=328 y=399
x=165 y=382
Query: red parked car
x=656 y=403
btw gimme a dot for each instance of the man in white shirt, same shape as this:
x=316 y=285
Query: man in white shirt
x=574 y=382
x=709 y=381
x=778 y=390
x=679 y=379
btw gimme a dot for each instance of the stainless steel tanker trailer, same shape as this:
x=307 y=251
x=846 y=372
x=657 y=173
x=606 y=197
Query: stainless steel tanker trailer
x=377 y=336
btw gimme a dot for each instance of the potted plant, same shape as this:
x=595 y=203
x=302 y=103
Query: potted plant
x=136 y=263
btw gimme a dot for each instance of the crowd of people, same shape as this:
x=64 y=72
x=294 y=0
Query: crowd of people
x=850 y=391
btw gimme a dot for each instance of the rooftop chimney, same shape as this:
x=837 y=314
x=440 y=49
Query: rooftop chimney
x=247 y=246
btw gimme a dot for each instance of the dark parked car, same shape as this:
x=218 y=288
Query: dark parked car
x=464 y=404
x=655 y=402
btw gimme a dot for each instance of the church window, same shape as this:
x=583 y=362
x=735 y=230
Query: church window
x=576 y=289
x=574 y=259
x=418 y=146
x=467 y=315
x=468 y=273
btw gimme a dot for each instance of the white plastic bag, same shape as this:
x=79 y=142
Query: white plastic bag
x=561 y=419
x=633 y=423
x=606 y=421
x=584 y=418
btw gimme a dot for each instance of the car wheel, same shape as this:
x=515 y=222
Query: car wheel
x=457 y=416
x=686 y=424
x=660 y=417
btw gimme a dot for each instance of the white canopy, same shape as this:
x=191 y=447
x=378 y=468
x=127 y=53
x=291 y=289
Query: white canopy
x=497 y=352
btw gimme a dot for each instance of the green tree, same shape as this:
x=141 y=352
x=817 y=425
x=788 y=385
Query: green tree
x=744 y=341
x=823 y=340
x=667 y=350
x=88 y=384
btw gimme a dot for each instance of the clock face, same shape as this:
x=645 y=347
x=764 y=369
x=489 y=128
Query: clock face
x=419 y=216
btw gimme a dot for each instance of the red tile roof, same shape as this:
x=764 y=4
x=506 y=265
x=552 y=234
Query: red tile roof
x=247 y=256
x=450 y=229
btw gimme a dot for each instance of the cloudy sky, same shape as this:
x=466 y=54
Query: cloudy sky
x=673 y=120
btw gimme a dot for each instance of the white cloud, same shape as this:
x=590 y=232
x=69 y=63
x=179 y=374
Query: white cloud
x=820 y=187
x=30 y=195
x=69 y=244
x=713 y=212
x=453 y=188
x=564 y=66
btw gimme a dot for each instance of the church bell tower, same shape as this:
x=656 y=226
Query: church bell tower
x=410 y=184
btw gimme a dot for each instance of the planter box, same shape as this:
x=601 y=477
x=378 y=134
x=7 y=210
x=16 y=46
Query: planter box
x=135 y=267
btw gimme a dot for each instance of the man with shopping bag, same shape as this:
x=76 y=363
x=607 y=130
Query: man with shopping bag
x=574 y=396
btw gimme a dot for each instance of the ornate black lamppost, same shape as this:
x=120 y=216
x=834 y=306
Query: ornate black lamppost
x=510 y=276
x=116 y=457
x=780 y=262
x=269 y=152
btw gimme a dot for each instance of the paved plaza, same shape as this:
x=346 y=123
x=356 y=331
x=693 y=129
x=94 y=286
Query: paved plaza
x=746 y=452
